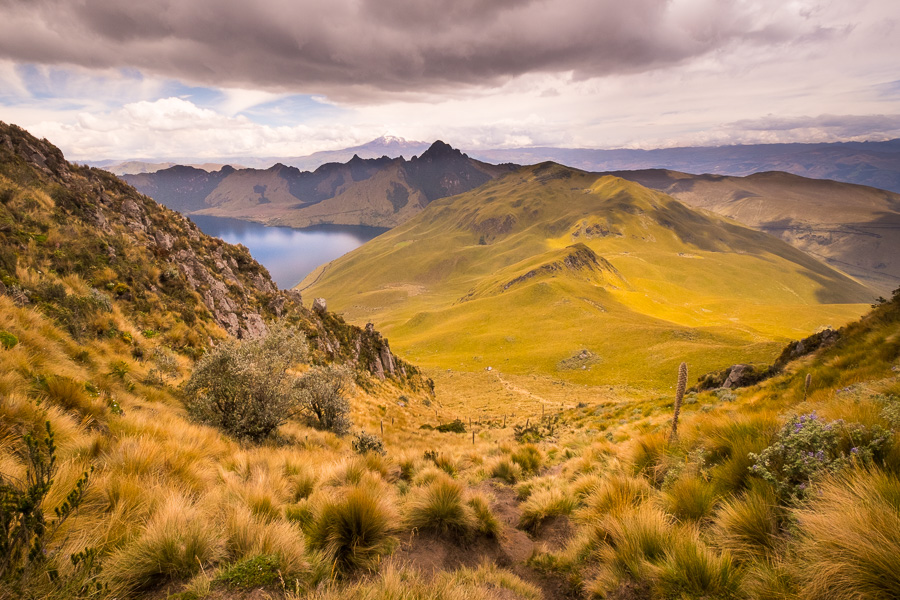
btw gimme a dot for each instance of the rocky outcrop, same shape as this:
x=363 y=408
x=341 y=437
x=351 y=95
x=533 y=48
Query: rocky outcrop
x=156 y=260
x=738 y=376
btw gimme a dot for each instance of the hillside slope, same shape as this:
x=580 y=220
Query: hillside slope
x=589 y=278
x=96 y=256
x=380 y=192
x=853 y=228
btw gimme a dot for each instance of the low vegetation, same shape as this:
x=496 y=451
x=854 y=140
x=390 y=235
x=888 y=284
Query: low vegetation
x=785 y=489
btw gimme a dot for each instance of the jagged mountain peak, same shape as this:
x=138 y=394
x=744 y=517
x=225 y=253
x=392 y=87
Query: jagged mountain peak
x=440 y=150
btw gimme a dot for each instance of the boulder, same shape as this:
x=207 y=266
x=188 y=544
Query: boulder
x=319 y=305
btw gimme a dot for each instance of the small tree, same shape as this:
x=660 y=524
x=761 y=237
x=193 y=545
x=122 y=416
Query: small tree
x=245 y=388
x=322 y=397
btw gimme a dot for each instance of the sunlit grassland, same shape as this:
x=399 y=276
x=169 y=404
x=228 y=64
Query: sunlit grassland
x=482 y=280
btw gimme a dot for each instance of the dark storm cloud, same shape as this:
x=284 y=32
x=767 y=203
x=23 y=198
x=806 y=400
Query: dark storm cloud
x=348 y=47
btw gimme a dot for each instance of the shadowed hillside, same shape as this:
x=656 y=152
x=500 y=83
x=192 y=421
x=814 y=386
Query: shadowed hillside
x=854 y=228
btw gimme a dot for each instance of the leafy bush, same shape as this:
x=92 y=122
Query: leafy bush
x=808 y=448
x=322 y=397
x=26 y=554
x=245 y=388
x=368 y=442
x=454 y=426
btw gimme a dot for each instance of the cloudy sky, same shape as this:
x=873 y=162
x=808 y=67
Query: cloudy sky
x=220 y=78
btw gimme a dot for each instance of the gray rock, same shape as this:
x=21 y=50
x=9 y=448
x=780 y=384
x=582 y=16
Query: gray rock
x=319 y=305
x=735 y=378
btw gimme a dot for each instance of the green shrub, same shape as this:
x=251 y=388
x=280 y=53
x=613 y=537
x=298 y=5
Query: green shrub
x=27 y=554
x=322 y=397
x=535 y=432
x=454 y=426
x=8 y=340
x=244 y=388
x=353 y=531
x=367 y=442
x=807 y=448
x=256 y=571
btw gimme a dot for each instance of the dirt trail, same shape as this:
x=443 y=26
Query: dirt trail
x=518 y=390
x=429 y=553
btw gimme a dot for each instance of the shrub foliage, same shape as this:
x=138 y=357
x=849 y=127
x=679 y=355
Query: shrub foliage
x=245 y=388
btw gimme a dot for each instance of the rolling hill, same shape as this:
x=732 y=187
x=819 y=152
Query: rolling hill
x=588 y=278
x=379 y=192
x=853 y=228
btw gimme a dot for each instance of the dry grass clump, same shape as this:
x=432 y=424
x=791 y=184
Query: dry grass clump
x=615 y=494
x=750 y=525
x=690 y=498
x=849 y=538
x=529 y=458
x=547 y=502
x=506 y=470
x=690 y=569
x=177 y=542
x=641 y=548
x=441 y=507
x=353 y=530
x=248 y=535
x=649 y=457
x=485 y=520
x=484 y=583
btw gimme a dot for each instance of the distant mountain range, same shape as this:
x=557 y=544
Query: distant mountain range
x=380 y=192
x=875 y=164
x=853 y=228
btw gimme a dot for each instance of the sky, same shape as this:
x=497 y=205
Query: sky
x=163 y=79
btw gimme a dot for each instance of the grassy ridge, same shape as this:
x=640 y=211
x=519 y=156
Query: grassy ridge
x=482 y=279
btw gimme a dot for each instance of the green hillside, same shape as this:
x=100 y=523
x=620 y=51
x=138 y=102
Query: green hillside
x=532 y=271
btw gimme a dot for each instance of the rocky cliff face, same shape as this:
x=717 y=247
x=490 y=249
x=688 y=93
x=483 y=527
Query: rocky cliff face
x=64 y=225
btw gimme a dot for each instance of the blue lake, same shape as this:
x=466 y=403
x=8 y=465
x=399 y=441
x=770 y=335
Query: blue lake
x=288 y=254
